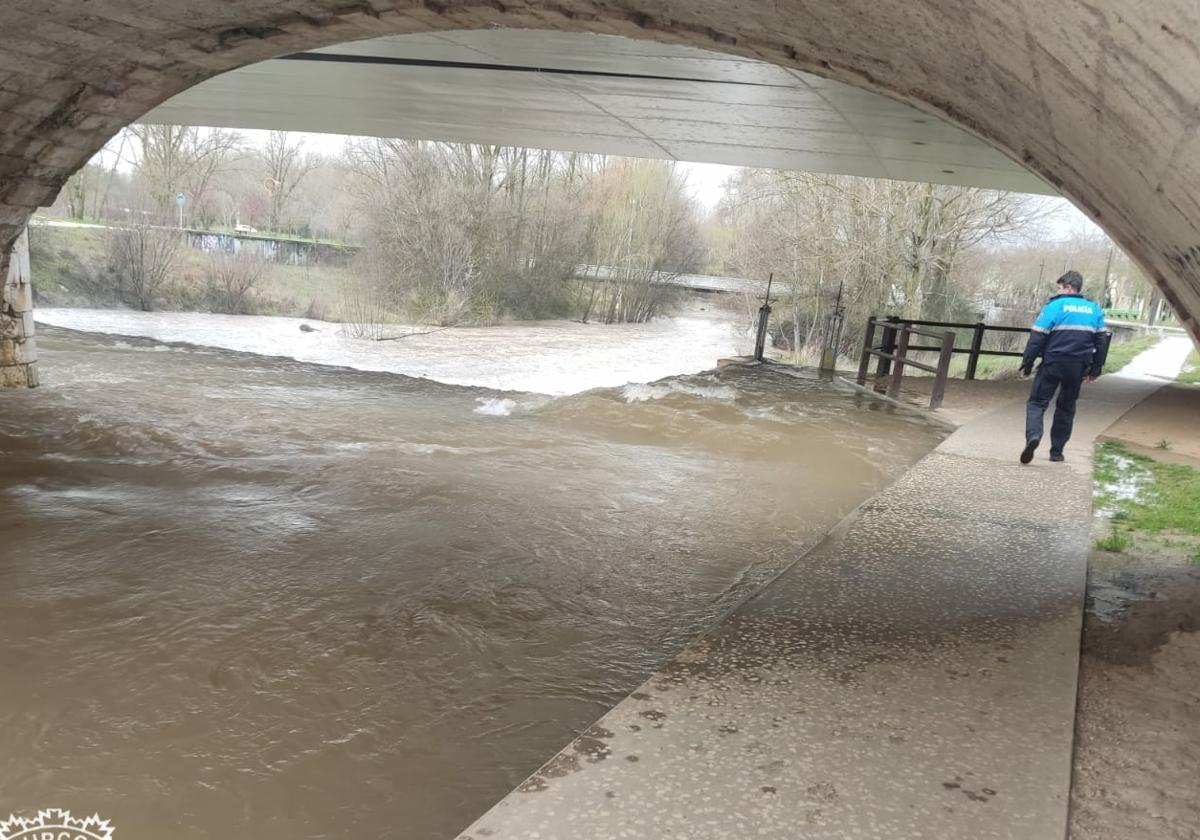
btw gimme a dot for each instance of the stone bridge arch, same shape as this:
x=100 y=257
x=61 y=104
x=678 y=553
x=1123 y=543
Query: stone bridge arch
x=1101 y=99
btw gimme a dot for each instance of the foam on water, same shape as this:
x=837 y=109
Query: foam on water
x=640 y=392
x=495 y=406
x=544 y=357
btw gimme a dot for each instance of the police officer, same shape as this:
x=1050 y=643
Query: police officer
x=1070 y=338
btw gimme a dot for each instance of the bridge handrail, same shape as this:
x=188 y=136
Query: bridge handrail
x=895 y=348
x=892 y=324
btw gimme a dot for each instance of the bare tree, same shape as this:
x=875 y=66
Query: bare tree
x=286 y=166
x=471 y=233
x=173 y=159
x=890 y=246
x=646 y=232
x=362 y=301
x=231 y=280
x=84 y=191
x=141 y=257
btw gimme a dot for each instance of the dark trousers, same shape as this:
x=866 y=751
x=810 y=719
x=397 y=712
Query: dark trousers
x=1066 y=377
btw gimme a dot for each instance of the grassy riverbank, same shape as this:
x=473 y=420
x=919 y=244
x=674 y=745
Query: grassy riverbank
x=1137 y=749
x=1190 y=374
x=1152 y=506
x=71 y=269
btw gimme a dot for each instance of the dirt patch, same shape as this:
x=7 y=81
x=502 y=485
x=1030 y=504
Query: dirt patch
x=1168 y=416
x=1137 y=731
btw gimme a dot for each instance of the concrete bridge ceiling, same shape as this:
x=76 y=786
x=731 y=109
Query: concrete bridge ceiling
x=596 y=93
x=1100 y=99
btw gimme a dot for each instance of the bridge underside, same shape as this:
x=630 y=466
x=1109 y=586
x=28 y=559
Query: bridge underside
x=600 y=94
x=1100 y=100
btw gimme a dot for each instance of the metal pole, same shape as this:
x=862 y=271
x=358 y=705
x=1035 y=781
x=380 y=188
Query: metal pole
x=833 y=335
x=764 y=315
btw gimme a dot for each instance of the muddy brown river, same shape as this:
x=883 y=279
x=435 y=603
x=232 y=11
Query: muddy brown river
x=242 y=596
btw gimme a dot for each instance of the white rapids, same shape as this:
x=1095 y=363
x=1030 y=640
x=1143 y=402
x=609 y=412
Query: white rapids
x=547 y=357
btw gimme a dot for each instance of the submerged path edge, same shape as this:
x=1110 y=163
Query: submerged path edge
x=913 y=674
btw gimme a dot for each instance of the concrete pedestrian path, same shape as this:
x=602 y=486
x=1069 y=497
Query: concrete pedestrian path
x=912 y=677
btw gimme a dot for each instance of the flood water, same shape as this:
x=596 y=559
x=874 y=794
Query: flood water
x=244 y=596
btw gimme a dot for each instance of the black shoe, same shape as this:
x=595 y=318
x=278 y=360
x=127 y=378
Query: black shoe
x=1027 y=452
x=1057 y=456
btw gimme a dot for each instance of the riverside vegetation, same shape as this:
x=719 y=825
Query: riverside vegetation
x=449 y=234
x=1152 y=507
x=1190 y=374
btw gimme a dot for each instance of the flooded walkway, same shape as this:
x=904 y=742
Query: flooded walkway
x=912 y=677
x=245 y=596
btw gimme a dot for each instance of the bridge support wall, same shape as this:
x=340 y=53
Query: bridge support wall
x=18 y=348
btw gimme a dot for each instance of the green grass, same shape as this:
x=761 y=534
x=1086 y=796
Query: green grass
x=297 y=290
x=1119 y=355
x=1190 y=375
x=989 y=367
x=1153 y=508
x=1146 y=495
x=996 y=367
x=1006 y=367
x=1116 y=541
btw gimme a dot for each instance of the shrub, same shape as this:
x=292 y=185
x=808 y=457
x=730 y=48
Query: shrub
x=1115 y=542
x=230 y=280
x=141 y=257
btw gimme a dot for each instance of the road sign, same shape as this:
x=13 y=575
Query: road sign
x=179 y=199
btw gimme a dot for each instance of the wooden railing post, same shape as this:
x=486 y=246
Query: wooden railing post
x=976 y=346
x=888 y=345
x=893 y=390
x=943 y=370
x=892 y=352
x=868 y=344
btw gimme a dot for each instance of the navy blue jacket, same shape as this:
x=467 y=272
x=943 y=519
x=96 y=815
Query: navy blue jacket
x=1069 y=327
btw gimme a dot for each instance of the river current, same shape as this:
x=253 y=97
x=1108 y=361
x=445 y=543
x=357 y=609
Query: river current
x=249 y=596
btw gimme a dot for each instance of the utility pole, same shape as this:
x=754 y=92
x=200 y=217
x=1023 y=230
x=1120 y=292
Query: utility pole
x=833 y=334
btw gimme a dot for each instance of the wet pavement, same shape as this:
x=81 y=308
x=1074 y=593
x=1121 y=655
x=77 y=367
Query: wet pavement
x=912 y=676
